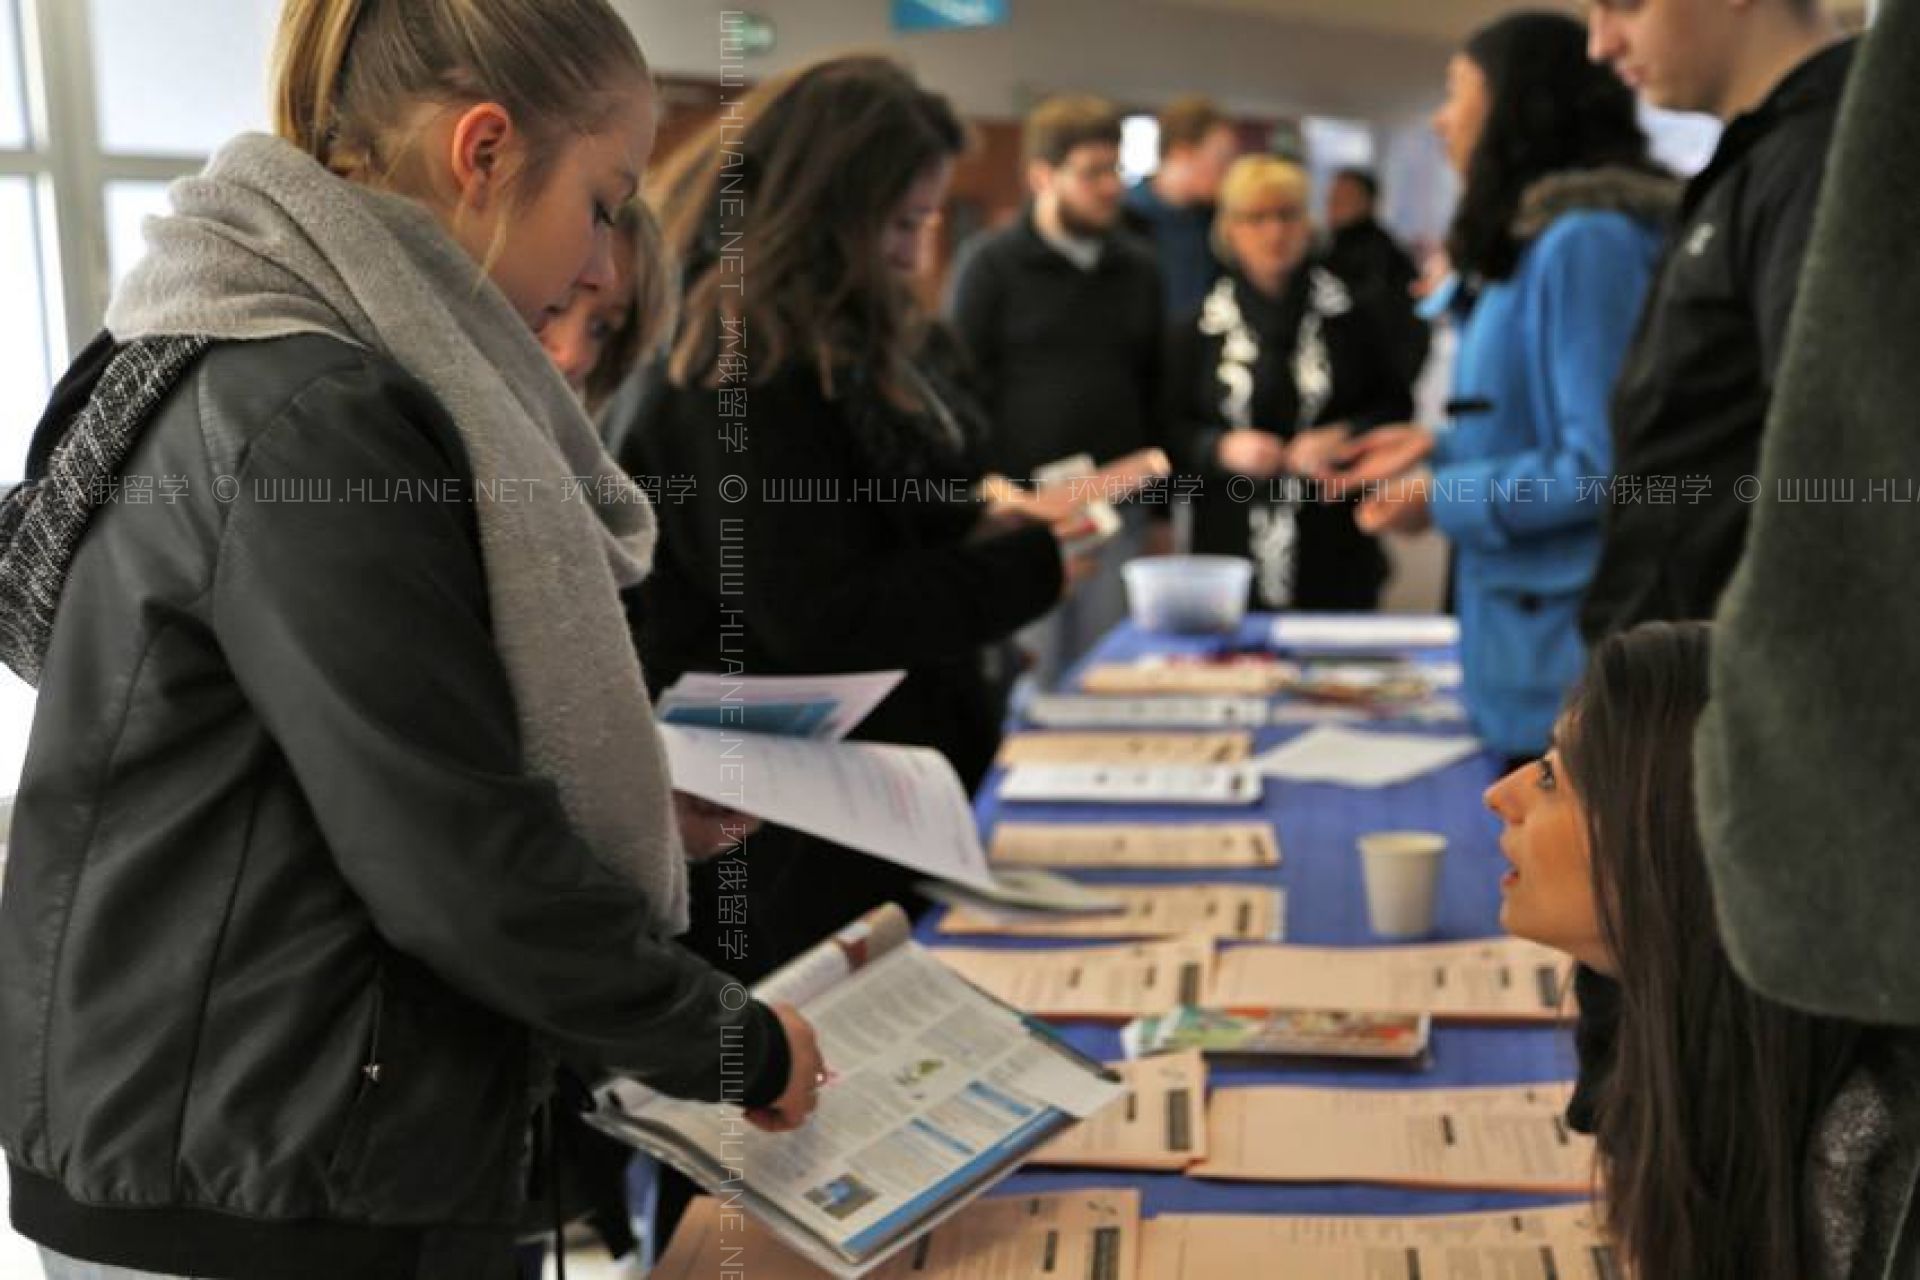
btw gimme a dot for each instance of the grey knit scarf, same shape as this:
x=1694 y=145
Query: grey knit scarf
x=267 y=243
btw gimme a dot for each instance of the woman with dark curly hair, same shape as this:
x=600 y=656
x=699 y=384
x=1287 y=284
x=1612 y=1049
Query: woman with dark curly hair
x=1553 y=248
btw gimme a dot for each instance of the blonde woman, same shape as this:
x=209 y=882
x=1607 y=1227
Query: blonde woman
x=1281 y=363
x=343 y=817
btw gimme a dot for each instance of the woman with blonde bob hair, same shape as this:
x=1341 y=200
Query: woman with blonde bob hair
x=1280 y=365
x=344 y=818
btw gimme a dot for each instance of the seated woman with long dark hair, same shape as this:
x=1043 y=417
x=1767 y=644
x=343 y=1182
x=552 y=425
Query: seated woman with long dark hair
x=1739 y=1139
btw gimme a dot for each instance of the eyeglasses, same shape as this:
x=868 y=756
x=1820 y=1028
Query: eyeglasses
x=1280 y=213
x=1090 y=172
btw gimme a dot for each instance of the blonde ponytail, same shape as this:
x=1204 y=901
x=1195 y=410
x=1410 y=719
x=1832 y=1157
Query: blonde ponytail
x=348 y=75
x=309 y=54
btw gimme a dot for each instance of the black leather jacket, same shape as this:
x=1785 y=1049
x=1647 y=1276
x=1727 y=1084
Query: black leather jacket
x=288 y=930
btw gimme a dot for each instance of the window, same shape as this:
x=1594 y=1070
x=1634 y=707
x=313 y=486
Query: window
x=129 y=205
x=1139 y=148
x=13 y=79
x=102 y=104
x=25 y=358
x=180 y=79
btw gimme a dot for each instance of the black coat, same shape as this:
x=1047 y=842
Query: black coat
x=830 y=535
x=1336 y=566
x=1068 y=359
x=1692 y=396
x=288 y=929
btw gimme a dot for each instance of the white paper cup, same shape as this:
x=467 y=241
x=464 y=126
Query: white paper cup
x=1402 y=874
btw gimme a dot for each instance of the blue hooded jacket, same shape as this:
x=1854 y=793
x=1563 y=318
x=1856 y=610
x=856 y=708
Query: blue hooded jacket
x=1521 y=476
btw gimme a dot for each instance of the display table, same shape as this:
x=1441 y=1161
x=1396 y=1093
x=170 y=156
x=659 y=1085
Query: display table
x=1320 y=871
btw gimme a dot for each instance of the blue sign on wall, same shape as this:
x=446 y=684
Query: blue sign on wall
x=947 y=15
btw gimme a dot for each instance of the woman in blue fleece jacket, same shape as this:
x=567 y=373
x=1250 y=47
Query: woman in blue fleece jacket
x=1554 y=245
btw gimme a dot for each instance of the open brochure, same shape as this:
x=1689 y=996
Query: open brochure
x=1074 y=1235
x=1560 y=1243
x=820 y=707
x=1495 y=980
x=904 y=804
x=942 y=1091
x=1506 y=1138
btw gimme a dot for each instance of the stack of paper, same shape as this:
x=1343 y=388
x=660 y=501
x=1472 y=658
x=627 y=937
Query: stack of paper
x=1498 y=980
x=1508 y=1138
x=1161 y=1123
x=1354 y=758
x=1132 y=844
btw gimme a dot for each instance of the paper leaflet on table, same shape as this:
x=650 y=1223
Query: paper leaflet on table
x=1492 y=980
x=826 y=708
x=1081 y=1235
x=1145 y=750
x=904 y=804
x=1132 y=784
x=941 y=1091
x=1235 y=912
x=1136 y=844
x=1503 y=1138
x=1082 y=711
x=1362 y=758
x=1557 y=1243
x=1116 y=983
x=1161 y=1122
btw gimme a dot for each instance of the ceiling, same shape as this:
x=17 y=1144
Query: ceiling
x=1444 y=20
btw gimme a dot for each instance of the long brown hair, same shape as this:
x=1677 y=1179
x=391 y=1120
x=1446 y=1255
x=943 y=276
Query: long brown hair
x=1705 y=1122
x=819 y=168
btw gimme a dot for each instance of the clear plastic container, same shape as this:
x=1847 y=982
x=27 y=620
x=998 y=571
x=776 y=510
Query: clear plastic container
x=1188 y=595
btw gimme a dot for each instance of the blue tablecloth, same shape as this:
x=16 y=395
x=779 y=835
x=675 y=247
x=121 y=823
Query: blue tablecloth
x=1317 y=825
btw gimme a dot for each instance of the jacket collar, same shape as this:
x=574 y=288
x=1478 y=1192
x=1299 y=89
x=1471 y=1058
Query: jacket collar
x=1646 y=196
x=1815 y=85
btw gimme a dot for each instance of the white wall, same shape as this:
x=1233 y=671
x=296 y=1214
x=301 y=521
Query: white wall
x=1138 y=51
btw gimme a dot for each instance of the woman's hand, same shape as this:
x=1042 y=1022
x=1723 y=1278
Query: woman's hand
x=708 y=830
x=1380 y=454
x=1248 y=452
x=806 y=1073
x=1402 y=507
x=1311 y=453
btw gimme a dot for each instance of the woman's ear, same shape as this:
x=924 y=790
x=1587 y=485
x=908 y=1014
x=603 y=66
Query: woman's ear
x=482 y=140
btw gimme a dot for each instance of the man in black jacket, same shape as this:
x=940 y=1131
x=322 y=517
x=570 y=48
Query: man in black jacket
x=1693 y=393
x=1365 y=255
x=1064 y=317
